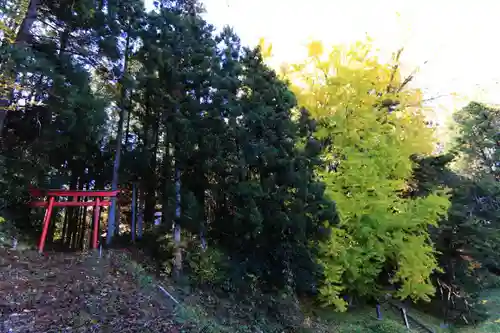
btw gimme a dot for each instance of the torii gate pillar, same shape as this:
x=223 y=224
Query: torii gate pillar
x=97 y=203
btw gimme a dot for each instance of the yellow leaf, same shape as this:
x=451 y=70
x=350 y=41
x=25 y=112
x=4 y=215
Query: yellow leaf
x=262 y=42
x=315 y=48
x=265 y=48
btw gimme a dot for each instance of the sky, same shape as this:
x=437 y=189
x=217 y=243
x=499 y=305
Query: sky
x=457 y=39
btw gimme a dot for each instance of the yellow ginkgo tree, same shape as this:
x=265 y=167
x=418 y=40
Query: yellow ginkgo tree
x=369 y=123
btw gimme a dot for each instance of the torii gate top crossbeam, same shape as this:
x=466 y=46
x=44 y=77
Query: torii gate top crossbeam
x=71 y=193
x=52 y=194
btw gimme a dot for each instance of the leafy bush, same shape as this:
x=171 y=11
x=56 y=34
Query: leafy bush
x=9 y=232
x=159 y=246
x=5 y=237
x=206 y=266
x=196 y=320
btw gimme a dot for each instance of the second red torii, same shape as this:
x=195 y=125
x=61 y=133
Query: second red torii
x=97 y=203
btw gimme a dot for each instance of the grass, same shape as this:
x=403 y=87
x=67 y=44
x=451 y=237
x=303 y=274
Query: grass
x=491 y=300
x=359 y=320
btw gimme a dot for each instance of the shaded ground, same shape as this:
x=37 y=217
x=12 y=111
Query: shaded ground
x=64 y=292
x=77 y=293
x=491 y=299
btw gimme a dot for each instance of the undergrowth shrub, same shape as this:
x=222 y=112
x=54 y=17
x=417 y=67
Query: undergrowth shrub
x=206 y=267
x=138 y=272
x=159 y=246
x=5 y=233
x=193 y=319
x=285 y=309
x=10 y=235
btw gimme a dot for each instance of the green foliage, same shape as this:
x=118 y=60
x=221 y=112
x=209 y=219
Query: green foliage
x=206 y=266
x=229 y=312
x=158 y=246
x=476 y=140
x=356 y=320
x=382 y=237
x=196 y=320
x=467 y=241
x=266 y=196
x=193 y=104
x=324 y=182
x=6 y=229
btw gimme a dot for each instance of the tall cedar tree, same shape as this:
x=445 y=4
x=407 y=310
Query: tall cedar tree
x=55 y=135
x=271 y=206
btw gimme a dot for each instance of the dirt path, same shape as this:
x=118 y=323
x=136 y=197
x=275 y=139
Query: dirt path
x=76 y=293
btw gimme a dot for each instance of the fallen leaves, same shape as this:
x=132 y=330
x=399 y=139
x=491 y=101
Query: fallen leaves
x=76 y=293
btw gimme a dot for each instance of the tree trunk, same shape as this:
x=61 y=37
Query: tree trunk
x=24 y=33
x=150 y=207
x=83 y=227
x=65 y=227
x=199 y=191
x=140 y=214
x=147 y=190
x=177 y=267
x=167 y=181
x=200 y=194
x=99 y=185
x=127 y=131
x=70 y=210
x=177 y=228
x=119 y=137
x=76 y=218
x=134 y=201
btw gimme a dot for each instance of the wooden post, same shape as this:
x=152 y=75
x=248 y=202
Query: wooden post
x=405 y=318
x=97 y=208
x=140 y=215
x=134 y=195
x=379 y=312
x=117 y=218
x=46 y=221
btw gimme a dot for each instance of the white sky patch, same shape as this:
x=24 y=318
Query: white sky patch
x=457 y=38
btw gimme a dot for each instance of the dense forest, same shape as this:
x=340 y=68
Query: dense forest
x=322 y=180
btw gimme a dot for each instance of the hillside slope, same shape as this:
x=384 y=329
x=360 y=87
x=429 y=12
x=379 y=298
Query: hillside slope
x=77 y=293
x=67 y=292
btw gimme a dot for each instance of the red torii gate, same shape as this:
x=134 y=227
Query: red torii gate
x=97 y=203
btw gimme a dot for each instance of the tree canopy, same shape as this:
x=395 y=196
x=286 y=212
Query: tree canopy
x=367 y=144
x=322 y=180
